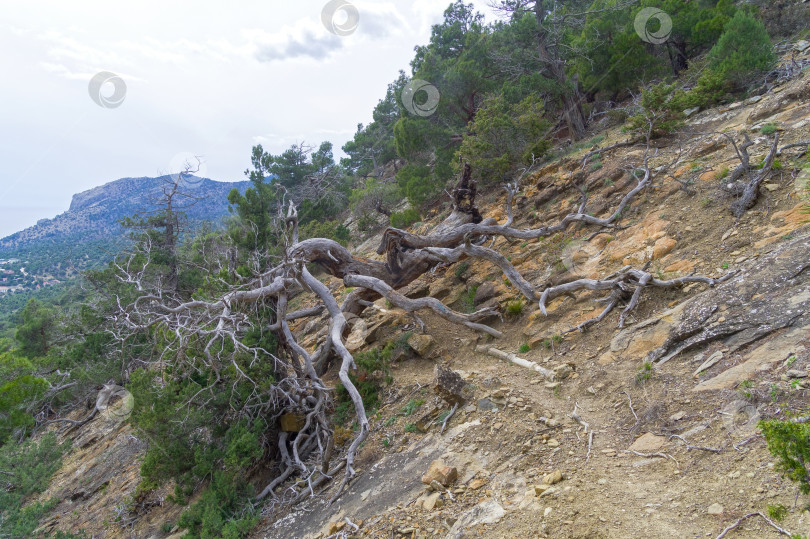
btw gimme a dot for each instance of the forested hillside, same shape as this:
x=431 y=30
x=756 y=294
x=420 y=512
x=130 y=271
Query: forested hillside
x=582 y=190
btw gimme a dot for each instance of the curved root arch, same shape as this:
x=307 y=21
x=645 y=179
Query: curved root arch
x=308 y=453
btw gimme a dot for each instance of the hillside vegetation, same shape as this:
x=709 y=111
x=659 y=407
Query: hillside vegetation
x=552 y=291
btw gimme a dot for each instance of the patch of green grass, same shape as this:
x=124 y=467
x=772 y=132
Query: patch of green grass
x=461 y=269
x=412 y=406
x=724 y=265
x=389 y=421
x=524 y=348
x=777 y=165
x=644 y=373
x=411 y=427
x=596 y=165
x=467 y=301
x=777 y=512
x=514 y=307
x=768 y=129
x=609 y=182
x=743 y=388
x=551 y=341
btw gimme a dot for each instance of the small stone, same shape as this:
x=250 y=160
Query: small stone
x=438 y=471
x=553 y=478
x=794 y=373
x=421 y=344
x=432 y=501
x=677 y=416
x=690 y=112
x=435 y=485
x=648 y=442
x=547 y=512
x=486 y=405
x=561 y=372
x=550 y=492
x=484 y=292
x=663 y=247
x=477 y=483
x=552 y=443
x=715 y=509
x=552 y=385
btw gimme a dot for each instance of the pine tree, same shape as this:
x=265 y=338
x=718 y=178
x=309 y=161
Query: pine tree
x=743 y=51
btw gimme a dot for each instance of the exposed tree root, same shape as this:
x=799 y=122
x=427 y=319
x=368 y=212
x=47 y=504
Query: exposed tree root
x=743 y=183
x=500 y=354
x=217 y=327
x=623 y=283
x=690 y=447
x=750 y=192
x=651 y=455
x=102 y=399
x=749 y=515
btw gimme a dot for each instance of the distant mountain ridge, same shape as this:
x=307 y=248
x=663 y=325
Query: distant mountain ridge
x=95 y=213
x=88 y=234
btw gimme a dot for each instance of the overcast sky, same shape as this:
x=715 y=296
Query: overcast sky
x=205 y=78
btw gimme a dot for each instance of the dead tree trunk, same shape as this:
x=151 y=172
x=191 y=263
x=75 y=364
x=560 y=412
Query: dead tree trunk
x=750 y=191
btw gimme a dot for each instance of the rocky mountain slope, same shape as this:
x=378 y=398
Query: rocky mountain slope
x=88 y=231
x=94 y=213
x=649 y=430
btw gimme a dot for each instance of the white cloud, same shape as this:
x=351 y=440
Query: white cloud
x=305 y=43
x=379 y=21
x=201 y=77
